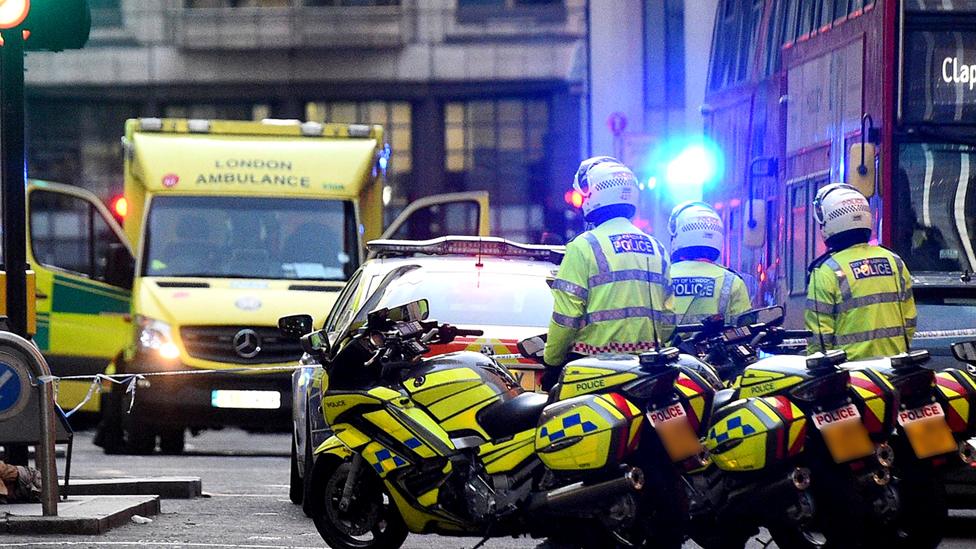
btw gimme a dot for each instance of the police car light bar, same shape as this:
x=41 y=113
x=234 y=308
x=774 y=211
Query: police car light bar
x=465 y=245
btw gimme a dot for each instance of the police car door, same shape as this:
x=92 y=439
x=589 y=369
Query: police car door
x=461 y=214
x=84 y=267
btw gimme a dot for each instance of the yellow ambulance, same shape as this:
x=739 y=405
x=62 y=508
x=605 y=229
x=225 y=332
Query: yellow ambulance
x=226 y=226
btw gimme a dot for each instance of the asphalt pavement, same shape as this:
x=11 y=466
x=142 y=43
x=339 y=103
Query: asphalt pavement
x=245 y=481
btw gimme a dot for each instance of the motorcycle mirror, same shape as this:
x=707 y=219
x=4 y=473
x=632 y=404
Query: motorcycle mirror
x=316 y=343
x=533 y=347
x=965 y=351
x=295 y=326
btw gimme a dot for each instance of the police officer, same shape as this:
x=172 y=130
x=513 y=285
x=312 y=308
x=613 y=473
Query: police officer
x=701 y=287
x=859 y=295
x=612 y=292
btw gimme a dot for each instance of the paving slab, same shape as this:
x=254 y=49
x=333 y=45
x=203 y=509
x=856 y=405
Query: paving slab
x=164 y=487
x=78 y=515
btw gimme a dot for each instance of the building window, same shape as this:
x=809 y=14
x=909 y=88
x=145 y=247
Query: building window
x=218 y=111
x=284 y=3
x=499 y=146
x=105 y=13
x=481 y=11
x=394 y=116
x=664 y=53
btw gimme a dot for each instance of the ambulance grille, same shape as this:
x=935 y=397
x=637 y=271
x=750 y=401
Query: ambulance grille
x=217 y=343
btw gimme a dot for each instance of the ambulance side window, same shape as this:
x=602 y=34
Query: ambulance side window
x=113 y=264
x=69 y=233
x=61 y=231
x=436 y=220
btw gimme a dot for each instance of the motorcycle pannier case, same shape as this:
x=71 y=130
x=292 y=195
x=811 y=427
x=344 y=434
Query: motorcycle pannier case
x=957 y=394
x=754 y=433
x=587 y=432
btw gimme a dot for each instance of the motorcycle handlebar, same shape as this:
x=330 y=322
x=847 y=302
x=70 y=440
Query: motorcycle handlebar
x=469 y=333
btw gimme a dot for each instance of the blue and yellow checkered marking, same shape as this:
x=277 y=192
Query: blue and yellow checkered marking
x=387 y=460
x=571 y=426
x=724 y=430
x=412 y=443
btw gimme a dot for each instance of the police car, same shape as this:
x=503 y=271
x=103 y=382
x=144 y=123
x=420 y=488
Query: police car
x=485 y=283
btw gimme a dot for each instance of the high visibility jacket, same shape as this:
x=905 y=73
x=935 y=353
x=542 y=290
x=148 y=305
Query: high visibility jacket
x=703 y=289
x=612 y=294
x=859 y=299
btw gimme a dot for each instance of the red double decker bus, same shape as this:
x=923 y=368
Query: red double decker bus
x=802 y=93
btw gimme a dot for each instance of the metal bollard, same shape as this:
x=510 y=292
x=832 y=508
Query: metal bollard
x=46 y=457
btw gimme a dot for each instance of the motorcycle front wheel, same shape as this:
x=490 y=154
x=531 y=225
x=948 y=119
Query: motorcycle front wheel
x=371 y=520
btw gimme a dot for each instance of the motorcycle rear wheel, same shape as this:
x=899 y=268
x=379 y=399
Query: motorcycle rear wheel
x=923 y=514
x=372 y=520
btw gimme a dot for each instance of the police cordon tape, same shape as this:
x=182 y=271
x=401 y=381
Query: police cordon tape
x=130 y=380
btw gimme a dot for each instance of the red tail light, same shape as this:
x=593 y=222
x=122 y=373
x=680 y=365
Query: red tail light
x=918 y=384
x=822 y=387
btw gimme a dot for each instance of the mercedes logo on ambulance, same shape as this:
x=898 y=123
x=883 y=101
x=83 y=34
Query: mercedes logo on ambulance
x=247 y=343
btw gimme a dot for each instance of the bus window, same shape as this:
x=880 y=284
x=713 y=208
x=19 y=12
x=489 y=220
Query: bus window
x=796 y=241
x=934 y=224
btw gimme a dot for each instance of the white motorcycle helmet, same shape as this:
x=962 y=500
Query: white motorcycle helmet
x=695 y=224
x=839 y=207
x=604 y=181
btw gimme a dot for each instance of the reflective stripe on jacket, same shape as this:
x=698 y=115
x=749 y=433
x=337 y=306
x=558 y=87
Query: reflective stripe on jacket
x=703 y=289
x=612 y=294
x=860 y=300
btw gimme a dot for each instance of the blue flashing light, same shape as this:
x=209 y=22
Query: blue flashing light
x=695 y=165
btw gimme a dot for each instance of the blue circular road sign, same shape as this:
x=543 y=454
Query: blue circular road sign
x=14 y=389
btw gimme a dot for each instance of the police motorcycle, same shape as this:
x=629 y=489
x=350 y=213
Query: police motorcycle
x=825 y=424
x=935 y=419
x=452 y=445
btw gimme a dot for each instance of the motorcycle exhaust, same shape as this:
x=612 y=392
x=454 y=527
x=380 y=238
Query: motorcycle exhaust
x=582 y=496
x=885 y=455
x=801 y=478
x=967 y=452
x=881 y=477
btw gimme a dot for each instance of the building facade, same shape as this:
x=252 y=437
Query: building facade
x=474 y=94
x=647 y=72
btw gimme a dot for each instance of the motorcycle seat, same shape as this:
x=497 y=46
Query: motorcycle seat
x=513 y=416
x=722 y=398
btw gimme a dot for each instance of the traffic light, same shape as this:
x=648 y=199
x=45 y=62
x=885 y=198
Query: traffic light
x=47 y=25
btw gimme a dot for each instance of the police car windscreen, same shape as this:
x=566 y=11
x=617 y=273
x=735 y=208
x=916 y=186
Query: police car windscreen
x=245 y=237
x=934 y=228
x=473 y=298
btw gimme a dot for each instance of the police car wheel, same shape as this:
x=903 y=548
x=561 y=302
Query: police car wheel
x=309 y=465
x=295 y=489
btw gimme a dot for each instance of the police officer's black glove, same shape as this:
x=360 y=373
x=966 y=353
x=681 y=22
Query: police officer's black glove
x=550 y=377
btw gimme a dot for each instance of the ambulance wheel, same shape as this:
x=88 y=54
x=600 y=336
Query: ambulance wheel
x=139 y=438
x=296 y=490
x=372 y=520
x=172 y=441
x=108 y=434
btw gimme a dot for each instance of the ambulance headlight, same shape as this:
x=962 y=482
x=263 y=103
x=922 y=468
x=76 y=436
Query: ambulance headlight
x=156 y=336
